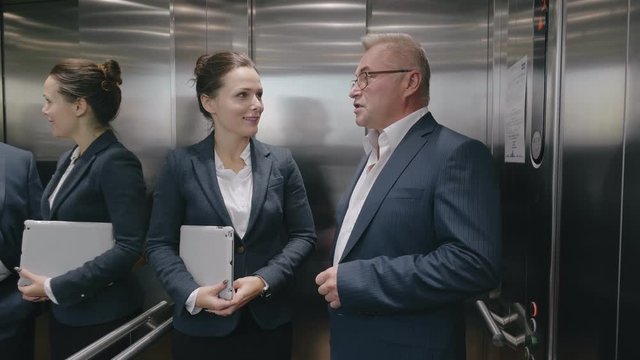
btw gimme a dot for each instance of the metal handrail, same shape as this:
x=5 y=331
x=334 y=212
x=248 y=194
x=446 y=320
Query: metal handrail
x=145 y=341
x=115 y=335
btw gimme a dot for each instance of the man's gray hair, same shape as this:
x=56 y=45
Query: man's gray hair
x=406 y=48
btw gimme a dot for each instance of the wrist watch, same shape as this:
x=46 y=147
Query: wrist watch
x=265 y=290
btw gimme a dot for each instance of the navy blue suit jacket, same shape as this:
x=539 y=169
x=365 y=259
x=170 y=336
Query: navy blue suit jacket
x=280 y=234
x=106 y=185
x=427 y=237
x=20 y=193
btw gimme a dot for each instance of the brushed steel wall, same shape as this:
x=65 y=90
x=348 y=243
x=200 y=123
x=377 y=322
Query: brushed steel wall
x=36 y=36
x=629 y=303
x=591 y=129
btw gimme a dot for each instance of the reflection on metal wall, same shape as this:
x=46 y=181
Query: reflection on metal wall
x=36 y=36
x=592 y=120
x=307 y=52
x=136 y=34
x=455 y=37
x=628 y=330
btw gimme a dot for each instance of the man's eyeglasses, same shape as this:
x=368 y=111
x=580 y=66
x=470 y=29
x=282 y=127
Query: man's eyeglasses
x=363 y=78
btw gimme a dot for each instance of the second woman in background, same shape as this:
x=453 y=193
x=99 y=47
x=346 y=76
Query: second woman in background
x=99 y=180
x=232 y=179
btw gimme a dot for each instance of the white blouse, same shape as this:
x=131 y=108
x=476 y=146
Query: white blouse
x=237 y=191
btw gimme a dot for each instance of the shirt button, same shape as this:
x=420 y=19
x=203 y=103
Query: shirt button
x=240 y=249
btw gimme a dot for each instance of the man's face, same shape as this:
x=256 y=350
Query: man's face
x=377 y=105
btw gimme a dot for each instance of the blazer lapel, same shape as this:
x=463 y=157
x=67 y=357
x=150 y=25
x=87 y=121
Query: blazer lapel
x=83 y=164
x=204 y=167
x=410 y=145
x=45 y=208
x=261 y=165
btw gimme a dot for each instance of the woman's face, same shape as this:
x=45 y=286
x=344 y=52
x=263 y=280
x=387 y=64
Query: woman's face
x=60 y=112
x=237 y=106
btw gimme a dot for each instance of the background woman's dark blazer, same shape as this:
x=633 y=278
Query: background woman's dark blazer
x=106 y=185
x=280 y=234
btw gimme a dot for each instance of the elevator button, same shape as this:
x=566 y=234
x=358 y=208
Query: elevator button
x=533 y=309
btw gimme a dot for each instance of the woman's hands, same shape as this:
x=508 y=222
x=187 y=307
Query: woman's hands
x=246 y=289
x=34 y=291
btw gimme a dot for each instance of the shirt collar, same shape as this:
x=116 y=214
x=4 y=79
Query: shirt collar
x=394 y=133
x=245 y=155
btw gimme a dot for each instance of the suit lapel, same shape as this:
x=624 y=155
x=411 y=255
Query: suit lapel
x=83 y=164
x=261 y=165
x=45 y=208
x=204 y=167
x=408 y=148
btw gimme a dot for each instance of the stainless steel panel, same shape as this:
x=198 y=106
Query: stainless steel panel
x=455 y=37
x=629 y=304
x=36 y=36
x=136 y=34
x=592 y=119
x=200 y=27
x=527 y=189
x=307 y=52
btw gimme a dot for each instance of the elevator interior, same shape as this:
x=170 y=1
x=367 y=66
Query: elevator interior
x=570 y=237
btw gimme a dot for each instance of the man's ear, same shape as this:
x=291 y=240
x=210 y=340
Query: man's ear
x=208 y=103
x=414 y=82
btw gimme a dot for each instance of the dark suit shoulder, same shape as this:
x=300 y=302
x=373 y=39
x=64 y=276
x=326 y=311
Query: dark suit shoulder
x=13 y=151
x=449 y=140
x=115 y=154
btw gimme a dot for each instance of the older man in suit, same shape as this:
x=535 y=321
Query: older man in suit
x=419 y=228
x=20 y=193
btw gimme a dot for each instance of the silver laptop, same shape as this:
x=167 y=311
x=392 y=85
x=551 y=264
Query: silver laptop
x=51 y=248
x=207 y=252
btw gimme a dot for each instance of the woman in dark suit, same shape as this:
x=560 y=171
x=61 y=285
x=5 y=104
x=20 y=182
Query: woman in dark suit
x=99 y=180
x=232 y=179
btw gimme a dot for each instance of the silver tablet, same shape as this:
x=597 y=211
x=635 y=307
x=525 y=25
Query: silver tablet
x=51 y=248
x=207 y=252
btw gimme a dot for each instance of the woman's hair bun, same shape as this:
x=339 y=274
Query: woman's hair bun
x=111 y=70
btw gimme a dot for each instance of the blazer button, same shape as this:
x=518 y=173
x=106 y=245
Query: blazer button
x=240 y=249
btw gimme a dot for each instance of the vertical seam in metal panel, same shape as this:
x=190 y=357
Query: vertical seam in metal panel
x=172 y=67
x=368 y=16
x=250 y=40
x=556 y=193
x=488 y=134
x=3 y=113
x=624 y=147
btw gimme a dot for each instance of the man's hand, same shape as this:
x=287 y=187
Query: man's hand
x=327 y=282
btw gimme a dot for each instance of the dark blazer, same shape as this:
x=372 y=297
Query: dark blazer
x=279 y=237
x=106 y=185
x=20 y=193
x=427 y=237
